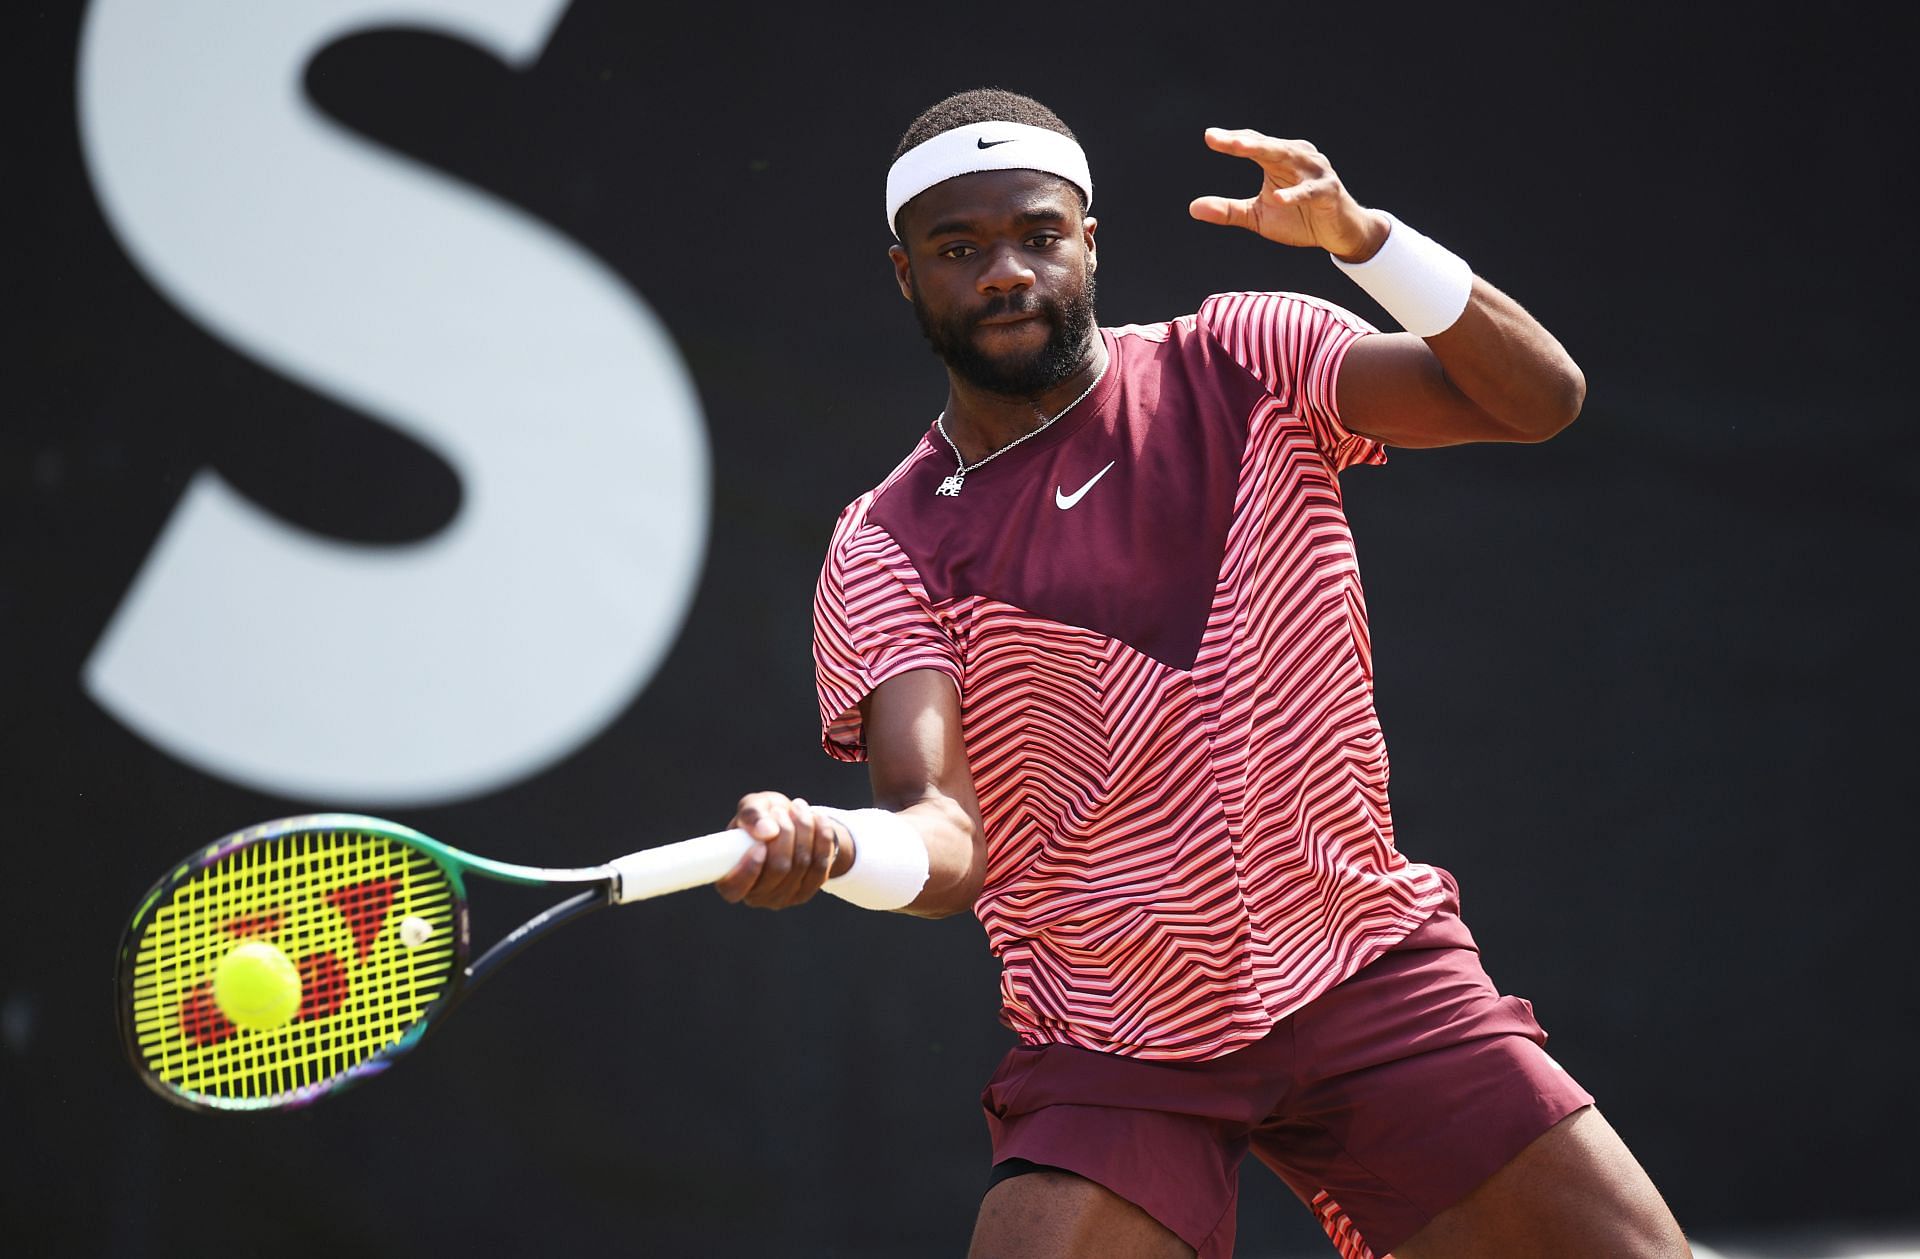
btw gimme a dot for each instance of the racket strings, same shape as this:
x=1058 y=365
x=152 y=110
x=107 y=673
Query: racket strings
x=333 y=903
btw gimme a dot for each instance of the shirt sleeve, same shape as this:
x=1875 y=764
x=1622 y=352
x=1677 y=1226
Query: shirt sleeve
x=1294 y=345
x=872 y=620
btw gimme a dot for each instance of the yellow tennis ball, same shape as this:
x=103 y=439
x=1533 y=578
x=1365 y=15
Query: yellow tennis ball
x=256 y=986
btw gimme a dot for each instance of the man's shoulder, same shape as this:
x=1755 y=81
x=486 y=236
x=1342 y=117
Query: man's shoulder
x=857 y=514
x=1223 y=310
x=1155 y=332
x=1235 y=315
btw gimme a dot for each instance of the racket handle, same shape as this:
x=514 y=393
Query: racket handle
x=676 y=867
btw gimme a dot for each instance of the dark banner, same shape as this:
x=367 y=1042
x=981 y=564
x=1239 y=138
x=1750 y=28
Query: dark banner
x=438 y=411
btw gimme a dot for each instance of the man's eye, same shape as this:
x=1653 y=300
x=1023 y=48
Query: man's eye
x=956 y=251
x=1043 y=242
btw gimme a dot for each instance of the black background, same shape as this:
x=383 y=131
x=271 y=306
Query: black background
x=1646 y=688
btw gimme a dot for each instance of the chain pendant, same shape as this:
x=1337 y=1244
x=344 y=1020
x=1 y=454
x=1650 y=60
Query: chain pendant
x=950 y=488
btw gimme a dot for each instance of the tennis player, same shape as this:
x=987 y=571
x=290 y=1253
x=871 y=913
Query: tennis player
x=1100 y=638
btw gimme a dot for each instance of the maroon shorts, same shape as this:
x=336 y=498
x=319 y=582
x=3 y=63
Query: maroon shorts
x=1381 y=1103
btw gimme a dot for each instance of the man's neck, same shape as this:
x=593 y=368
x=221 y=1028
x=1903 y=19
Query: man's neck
x=980 y=422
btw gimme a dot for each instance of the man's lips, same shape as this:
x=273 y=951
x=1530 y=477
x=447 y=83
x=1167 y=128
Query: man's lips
x=1001 y=321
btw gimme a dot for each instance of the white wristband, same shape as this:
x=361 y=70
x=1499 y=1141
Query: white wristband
x=1420 y=282
x=889 y=859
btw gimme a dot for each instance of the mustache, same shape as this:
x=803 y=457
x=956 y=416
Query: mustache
x=1021 y=303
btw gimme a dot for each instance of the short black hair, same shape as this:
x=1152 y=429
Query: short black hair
x=981 y=104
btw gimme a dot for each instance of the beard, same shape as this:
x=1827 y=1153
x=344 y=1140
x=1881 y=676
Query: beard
x=1070 y=323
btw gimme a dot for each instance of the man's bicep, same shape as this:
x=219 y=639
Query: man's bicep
x=914 y=747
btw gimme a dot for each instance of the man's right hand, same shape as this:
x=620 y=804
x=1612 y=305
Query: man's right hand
x=789 y=863
x=917 y=764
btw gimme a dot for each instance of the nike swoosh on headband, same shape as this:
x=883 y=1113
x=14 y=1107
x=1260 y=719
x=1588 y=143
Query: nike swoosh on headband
x=985 y=143
x=1066 y=501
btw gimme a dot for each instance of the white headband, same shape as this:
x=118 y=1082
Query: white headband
x=983 y=146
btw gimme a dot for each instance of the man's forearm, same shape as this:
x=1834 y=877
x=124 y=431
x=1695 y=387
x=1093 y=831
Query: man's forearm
x=1504 y=362
x=1489 y=370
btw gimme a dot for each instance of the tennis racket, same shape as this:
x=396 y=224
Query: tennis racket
x=292 y=959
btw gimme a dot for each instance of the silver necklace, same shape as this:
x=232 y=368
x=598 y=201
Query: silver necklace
x=952 y=485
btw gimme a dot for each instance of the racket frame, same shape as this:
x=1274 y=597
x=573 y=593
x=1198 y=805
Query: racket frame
x=600 y=886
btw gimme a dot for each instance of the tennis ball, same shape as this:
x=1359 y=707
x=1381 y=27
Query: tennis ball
x=415 y=932
x=256 y=986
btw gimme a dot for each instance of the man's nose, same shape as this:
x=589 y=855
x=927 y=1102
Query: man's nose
x=1005 y=271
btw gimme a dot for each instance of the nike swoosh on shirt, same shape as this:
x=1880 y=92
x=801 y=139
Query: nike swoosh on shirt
x=985 y=143
x=1066 y=501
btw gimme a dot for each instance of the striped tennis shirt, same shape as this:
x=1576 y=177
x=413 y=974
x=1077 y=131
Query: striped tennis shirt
x=1153 y=616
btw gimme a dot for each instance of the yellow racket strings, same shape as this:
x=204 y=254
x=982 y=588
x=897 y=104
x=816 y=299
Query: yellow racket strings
x=335 y=903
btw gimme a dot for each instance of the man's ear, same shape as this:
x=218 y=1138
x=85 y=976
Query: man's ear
x=1087 y=227
x=902 y=270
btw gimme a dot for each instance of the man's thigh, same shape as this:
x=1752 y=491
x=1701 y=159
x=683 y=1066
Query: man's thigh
x=1058 y=1215
x=1418 y=1082
x=1575 y=1192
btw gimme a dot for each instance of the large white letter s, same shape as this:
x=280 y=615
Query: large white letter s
x=317 y=668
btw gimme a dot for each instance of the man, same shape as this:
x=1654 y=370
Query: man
x=1101 y=640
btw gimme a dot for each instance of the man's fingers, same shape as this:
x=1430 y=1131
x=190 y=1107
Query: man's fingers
x=1240 y=142
x=739 y=881
x=761 y=815
x=778 y=866
x=759 y=821
x=1301 y=200
x=788 y=863
x=1226 y=211
x=1308 y=188
x=1285 y=161
x=812 y=852
x=789 y=860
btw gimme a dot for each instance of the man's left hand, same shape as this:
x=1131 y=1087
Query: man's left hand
x=1301 y=201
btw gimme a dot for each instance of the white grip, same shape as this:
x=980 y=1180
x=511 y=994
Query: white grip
x=676 y=867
